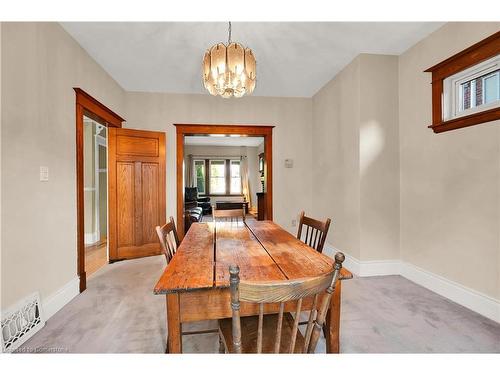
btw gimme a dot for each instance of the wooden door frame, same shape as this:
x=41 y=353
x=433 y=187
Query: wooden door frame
x=265 y=131
x=92 y=108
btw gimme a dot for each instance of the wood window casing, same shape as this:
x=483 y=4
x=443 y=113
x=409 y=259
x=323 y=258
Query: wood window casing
x=471 y=56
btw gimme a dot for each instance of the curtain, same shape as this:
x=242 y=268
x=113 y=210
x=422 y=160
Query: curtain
x=189 y=171
x=245 y=187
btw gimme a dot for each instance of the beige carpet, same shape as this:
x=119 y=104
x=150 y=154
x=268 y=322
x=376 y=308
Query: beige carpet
x=118 y=313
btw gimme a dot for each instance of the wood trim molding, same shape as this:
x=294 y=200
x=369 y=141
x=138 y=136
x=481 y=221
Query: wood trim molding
x=265 y=131
x=88 y=106
x=473 y=55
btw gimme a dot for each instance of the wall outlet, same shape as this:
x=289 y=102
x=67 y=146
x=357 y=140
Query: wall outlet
x=294 y=222
x=44 y=173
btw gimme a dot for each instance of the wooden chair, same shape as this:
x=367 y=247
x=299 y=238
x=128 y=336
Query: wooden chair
x=255 y=333
x=229 y=214
x=169 y=240
x=316 y=231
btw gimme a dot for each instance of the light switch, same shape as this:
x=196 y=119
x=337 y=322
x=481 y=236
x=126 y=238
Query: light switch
x=44 y=173
x=288 y=163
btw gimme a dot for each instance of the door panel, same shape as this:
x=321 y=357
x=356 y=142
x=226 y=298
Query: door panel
x=136 y=192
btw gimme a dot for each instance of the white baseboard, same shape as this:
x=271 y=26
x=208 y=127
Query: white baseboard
x=57 y=300
x=91 y=238
x=473 y=300
x=368 y=267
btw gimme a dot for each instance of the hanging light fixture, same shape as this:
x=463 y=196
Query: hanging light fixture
x=229 y=69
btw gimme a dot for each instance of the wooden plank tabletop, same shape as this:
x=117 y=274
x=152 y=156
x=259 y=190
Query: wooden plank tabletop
x=235 y=244
x=192 y=266
x=262 y=249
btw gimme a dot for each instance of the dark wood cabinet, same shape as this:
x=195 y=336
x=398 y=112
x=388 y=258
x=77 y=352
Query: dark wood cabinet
x=261 y=206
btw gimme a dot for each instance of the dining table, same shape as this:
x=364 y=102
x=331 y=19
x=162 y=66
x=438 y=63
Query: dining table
x=196 y=281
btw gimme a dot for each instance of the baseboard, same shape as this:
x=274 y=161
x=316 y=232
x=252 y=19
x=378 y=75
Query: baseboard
x=368 y=267
x=60 y=298
x=91 y=238
x=467 y=297
x=473 y=300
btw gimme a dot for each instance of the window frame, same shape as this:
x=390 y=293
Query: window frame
x=469 y=58
x=453 y=90
x=210 y=175
x=227 y=175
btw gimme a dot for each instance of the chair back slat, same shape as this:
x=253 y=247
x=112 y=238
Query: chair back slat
x=169 y=240
x=283 y=292
x=316 y=231
x=295 y=326
x=310 y=321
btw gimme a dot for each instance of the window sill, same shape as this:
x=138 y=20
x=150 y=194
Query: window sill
x=464 y=121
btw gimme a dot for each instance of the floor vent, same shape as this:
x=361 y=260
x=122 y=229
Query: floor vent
x=21 y=322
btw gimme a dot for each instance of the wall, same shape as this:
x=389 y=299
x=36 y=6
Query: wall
x=379 y=157
x=450 y=182
x=40 y=66
x=336 y=155
x=356 y=181
x=291 y=138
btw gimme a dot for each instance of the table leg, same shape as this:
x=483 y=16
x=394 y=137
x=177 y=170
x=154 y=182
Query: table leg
x=332 y=334
x=174 y=340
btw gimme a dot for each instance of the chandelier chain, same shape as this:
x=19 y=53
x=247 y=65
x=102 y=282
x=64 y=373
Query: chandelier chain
x=229 y=32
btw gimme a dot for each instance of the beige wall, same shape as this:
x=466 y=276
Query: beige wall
x=356 y=178
x=41 y=64
x=291 y=137
x=336 y=156
x=379 y=157
x=450 y=182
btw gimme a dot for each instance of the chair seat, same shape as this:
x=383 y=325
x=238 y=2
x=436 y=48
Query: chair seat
x=249 y=330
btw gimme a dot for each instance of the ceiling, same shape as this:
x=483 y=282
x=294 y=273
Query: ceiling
x=223 y=141
x=293 y=58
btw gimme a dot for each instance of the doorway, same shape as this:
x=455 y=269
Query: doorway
x=95 y=191
x=92 y=118
x=229 y=132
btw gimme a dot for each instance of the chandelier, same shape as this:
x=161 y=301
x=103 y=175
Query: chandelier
x=229 y=70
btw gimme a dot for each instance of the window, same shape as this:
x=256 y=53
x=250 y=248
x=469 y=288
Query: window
x=472 y=90
x=199 y=170
x=235 y=185
x=217 y=177
x=466 y=87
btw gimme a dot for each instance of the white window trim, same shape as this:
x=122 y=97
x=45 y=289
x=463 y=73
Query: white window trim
x=452 y=90
x=231 y=177
x=209 y=165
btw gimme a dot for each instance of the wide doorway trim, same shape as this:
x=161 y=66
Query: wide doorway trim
x=265 y=131
x=92 y=108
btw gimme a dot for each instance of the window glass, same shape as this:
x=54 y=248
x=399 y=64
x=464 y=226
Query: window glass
x=491 y=87
x=235 y=177
x=217 y=177
x=199 y=170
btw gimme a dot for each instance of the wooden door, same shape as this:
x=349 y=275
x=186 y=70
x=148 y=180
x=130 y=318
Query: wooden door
x=136 y=173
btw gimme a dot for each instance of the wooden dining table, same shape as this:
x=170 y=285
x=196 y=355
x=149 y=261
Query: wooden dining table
x=196 y=281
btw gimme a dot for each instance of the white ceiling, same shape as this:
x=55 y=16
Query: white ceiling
x=223 y=141
x=293 y=58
